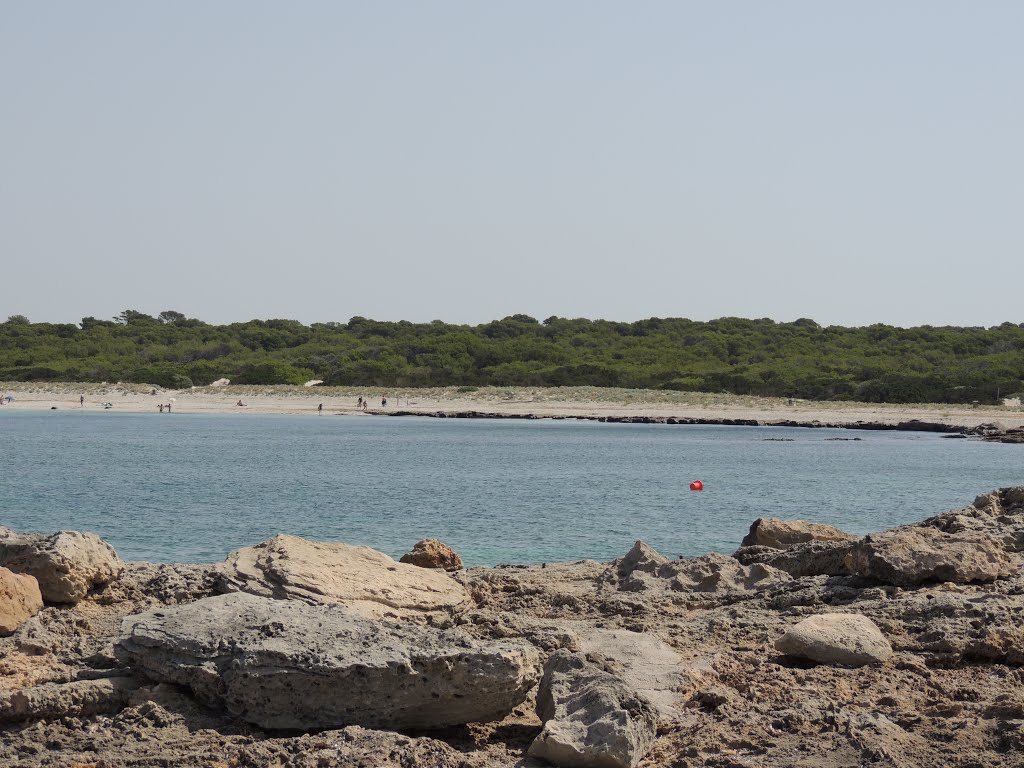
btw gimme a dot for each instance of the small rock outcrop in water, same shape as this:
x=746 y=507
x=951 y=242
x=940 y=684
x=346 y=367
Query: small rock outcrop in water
x=836 y=638
x=67 y=564
x=590 y=717
x=20 y=600
x=908 y=556
x=291 y=568
x=780 y=534
x=431 y=553
x=286 y=664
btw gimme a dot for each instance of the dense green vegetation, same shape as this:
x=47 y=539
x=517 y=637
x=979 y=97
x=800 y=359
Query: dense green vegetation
x=877 y=363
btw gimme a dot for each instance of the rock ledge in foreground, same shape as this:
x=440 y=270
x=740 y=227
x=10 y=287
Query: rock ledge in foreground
x=289 y=665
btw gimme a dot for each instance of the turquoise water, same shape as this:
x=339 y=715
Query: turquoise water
x=190 y=488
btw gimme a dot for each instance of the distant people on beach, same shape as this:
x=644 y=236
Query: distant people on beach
x=320 y=409
x=383 y=401
x=366 y=403
x=161 y=407
x=81 y=401
x=359 y=402
x=168 y=407
x=240 y=404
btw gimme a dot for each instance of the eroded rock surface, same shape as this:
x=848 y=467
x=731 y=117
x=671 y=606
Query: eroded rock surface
x=908 y=556
x=66 y=564
x=57 y=700
x=286 y=664
x=20 y=600
x=643 y=568
x=291 y=568
x=812 y=558
x=591 y=718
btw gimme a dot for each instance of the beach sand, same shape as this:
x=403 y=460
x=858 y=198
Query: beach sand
x=564 y=402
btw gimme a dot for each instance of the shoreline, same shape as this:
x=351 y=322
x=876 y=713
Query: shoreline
x=992 y=423
x=806 y=646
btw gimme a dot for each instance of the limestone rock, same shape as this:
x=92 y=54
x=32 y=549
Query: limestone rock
x=999 y=514
x=431 y=553
x=643 y=568
x=642 y=557
x=949 y=625
x=718 y=573
x=908 y=556
x=67 y=564
x=53 y=701
x=812 y=558
x=292 y=568
x=836 y=638
x=779 y=534
x=20 y=600
x=590 y=717
x=285 y=664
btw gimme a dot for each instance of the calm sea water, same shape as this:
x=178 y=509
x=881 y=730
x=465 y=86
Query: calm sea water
x=190 y=488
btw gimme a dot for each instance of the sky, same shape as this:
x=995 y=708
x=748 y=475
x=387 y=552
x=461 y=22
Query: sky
x=852 y=163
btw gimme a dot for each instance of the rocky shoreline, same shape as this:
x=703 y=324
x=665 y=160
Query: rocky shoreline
x=808 y=647
x=989 y=432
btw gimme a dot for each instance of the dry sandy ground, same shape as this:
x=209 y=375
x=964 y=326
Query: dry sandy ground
x=586 y=402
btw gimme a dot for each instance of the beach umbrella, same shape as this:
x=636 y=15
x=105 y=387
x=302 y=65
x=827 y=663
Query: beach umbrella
x=173 y=399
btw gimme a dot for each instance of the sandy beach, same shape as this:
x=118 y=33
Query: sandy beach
x=557 y=402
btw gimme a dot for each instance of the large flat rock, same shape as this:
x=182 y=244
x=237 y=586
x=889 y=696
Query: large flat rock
x=290 y=665
x=293 y=568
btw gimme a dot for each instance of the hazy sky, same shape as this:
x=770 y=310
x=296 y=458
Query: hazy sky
x=852 y=163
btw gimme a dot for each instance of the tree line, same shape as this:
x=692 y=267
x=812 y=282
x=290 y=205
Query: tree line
x=875 y=363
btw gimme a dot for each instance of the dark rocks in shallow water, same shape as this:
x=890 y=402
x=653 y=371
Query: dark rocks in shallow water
x=289 y=665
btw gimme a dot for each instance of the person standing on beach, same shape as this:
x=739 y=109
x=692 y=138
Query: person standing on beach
x=81 y=401
x=168 y=407
x=320 y=410
x=161 y=407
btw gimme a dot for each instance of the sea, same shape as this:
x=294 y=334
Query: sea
x=193 y=487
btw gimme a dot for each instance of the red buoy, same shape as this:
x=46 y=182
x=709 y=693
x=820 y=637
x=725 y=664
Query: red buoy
x=696 y=485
